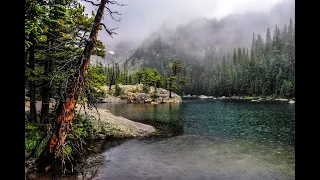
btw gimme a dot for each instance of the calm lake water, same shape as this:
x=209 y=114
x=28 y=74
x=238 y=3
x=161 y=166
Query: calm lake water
x=206 y=139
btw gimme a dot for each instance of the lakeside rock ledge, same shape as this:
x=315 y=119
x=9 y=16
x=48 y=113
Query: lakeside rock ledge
x=135 y=94
x=107 y=124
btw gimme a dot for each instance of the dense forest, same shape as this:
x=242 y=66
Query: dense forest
x=56 y=33
x=59 y=40
x=267 y=68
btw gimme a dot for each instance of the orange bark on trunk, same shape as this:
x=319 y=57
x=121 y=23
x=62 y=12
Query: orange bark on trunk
x=64 y=118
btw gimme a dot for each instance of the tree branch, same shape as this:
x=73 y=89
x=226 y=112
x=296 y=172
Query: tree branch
x=115 y=2
x=110 y=31
x=91 y=2
x=113 y=12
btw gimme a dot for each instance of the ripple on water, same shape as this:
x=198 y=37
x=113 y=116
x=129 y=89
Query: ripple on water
x=197 y=157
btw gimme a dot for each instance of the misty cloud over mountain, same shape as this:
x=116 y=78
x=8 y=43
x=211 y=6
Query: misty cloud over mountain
x=195 y=33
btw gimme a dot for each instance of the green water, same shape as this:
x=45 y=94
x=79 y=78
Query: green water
x=206 y=139
x=273 y=123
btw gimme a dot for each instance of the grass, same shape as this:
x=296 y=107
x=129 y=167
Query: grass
x=33 y=133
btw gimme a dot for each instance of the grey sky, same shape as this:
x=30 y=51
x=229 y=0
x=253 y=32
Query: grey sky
x=141 y=17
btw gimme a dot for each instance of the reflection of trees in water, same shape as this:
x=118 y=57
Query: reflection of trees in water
x=167 y=119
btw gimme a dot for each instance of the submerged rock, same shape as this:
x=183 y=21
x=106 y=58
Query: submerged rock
x=282 y=99
x=254 y=100
x=203 y=97
x=291 y=102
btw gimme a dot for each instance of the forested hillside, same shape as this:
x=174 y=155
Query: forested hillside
x=263 y=69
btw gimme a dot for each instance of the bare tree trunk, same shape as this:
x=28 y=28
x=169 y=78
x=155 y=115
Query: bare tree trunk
x=170 y=84
x=112 y=80
x=32 y=86
x=25 y=65
x=45 y=94
x=64 y=118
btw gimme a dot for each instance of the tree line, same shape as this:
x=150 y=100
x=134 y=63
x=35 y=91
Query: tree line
x=268 y=69
x=113 y=75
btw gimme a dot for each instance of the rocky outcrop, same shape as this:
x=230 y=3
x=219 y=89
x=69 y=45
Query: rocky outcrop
x=112 y=99
x=107 y=124
x=136 y=95
x=138 y=98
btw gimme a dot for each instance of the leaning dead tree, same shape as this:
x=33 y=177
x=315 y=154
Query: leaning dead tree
x=76 y=85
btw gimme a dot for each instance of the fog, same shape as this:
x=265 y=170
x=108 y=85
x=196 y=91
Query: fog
x=236 y=21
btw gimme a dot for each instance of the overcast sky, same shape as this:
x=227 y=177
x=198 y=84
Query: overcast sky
x=141 y=17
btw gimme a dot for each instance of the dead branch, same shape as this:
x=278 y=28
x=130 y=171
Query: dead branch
x=71 y=60
x=110 y=31
x=91 y=2
x=113 y=12
x=115 y=2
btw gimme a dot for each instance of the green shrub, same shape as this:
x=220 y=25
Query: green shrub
x=98 y=92
x=118 y=91
x=83 y=126
x=145 y=88
x=33 y=133
x=155 y=94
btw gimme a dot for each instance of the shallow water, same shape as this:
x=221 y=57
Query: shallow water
x=206 y=139
x=202 y=139
x=196 y=157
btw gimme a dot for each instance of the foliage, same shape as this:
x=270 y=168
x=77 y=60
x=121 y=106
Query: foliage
x=139 y=76
x=149 y=77
x=97 y=79
x=33 y=134
x=118 y=91
x=155 y=94
x=145 y=88
x=83 y=126
x=56 y=32
x=268 y=71
x=172 y=81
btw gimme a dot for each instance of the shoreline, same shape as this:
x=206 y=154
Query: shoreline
x=116 y=126
x=250 y=98
x=136 y=94
x=108 y=125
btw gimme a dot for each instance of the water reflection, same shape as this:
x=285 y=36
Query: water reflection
x=167 y=118
x=273 y=123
